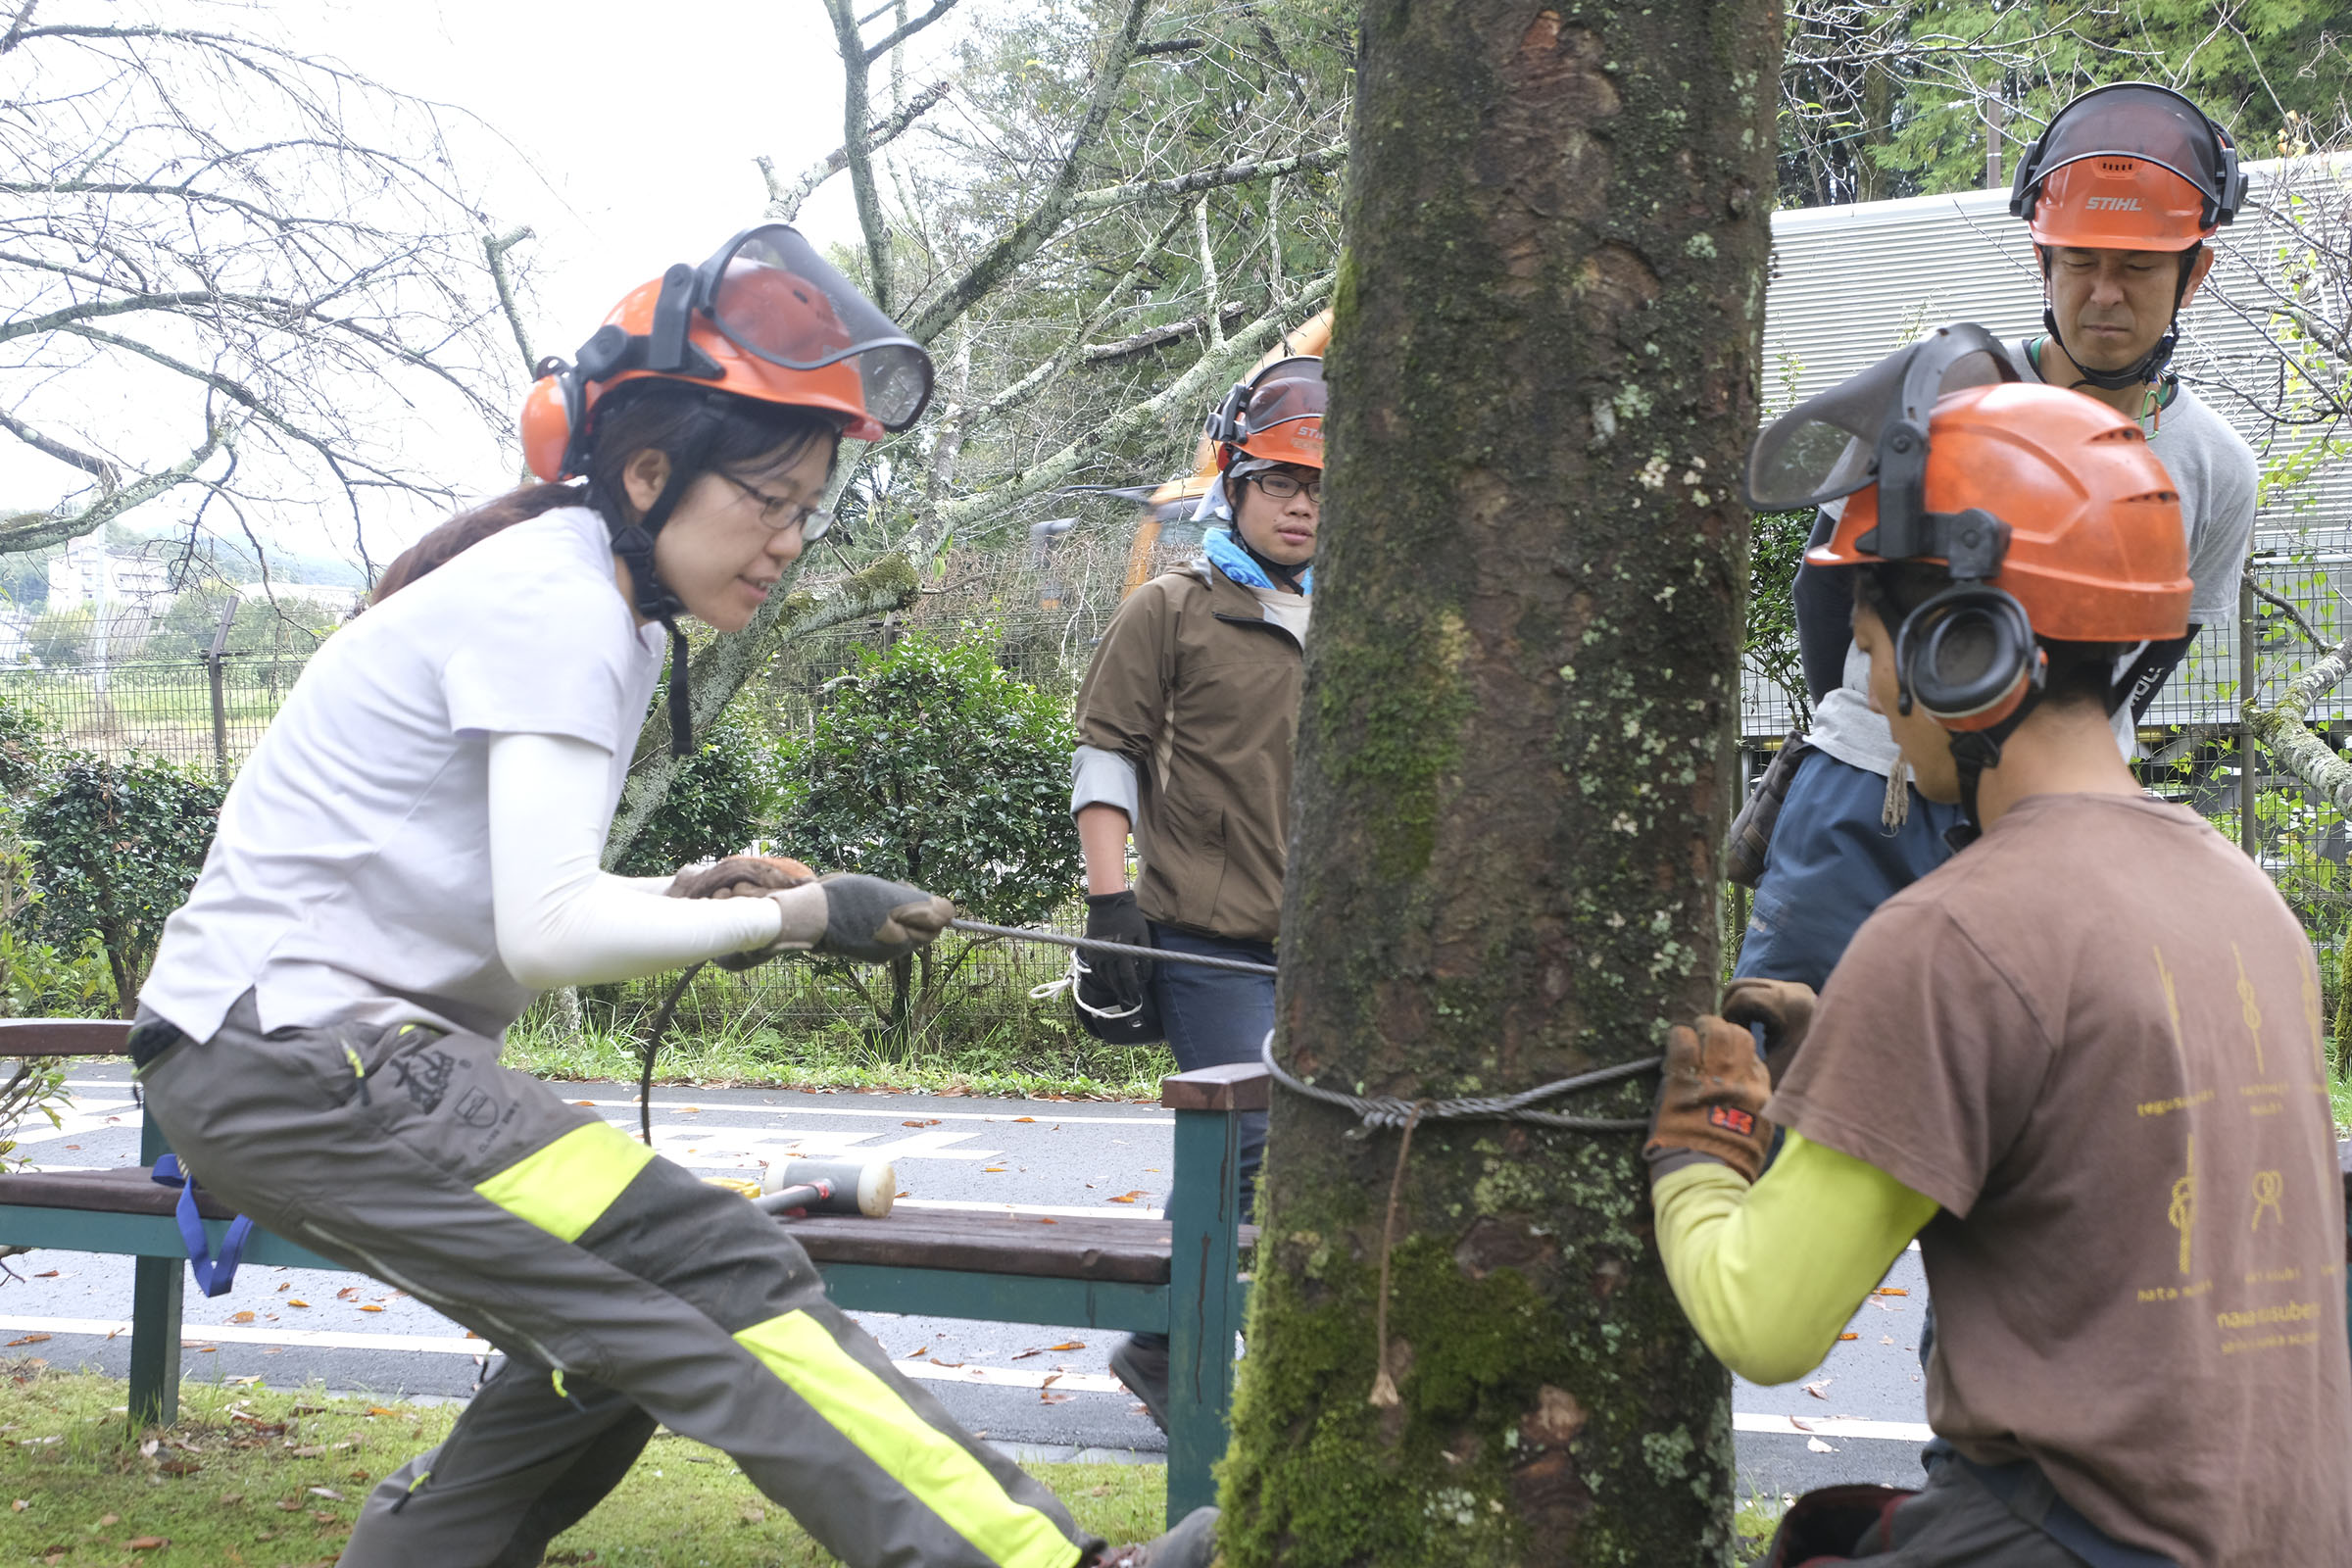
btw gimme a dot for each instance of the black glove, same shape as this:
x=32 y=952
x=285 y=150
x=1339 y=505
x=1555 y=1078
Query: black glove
x=1114 y=917
x=873 y=921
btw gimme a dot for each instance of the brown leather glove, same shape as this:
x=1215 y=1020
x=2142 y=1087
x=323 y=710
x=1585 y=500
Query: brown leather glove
x=1711 y=1101
x=1784 y=1008
x=739 y=876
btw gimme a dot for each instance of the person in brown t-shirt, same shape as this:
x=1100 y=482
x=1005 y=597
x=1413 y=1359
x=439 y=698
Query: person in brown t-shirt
x=2083 y=1062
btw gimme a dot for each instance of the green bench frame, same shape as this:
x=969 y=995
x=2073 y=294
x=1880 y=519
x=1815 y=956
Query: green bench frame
x=1115 y=1274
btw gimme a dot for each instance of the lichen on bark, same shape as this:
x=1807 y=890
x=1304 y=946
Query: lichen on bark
x=1514 y=748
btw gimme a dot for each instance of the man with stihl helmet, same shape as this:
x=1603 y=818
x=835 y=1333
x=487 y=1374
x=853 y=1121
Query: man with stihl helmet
x=1185 y=731
x=2120 y=195
x=2082 y=1062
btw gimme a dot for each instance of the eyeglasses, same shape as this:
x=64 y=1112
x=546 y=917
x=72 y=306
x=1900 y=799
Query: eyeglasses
x=1281 y=486
x=780 y=512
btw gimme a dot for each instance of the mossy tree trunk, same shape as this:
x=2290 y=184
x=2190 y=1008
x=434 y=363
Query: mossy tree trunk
x=1513 y=758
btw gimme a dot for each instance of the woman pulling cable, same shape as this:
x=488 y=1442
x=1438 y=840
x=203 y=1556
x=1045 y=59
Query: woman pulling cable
x=413 y=854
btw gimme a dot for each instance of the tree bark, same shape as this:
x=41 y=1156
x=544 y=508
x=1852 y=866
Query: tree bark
x=1514 y=749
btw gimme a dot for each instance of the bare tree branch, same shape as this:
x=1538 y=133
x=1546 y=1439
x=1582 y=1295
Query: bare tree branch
x=1144 y=190
x=1159 y=337
x=939 y=9
x=784 y=197
x=1191 y=387
x=108 y=474
x=1032 y=231
x=39 y=530
x=857 y=151
x=494 y=252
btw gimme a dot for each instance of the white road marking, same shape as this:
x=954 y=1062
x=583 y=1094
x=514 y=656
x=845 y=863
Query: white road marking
x=1004 y=1376
x=778 y=1143
x=1071 y=1211
x=739 y=1107
x=1839 y=1426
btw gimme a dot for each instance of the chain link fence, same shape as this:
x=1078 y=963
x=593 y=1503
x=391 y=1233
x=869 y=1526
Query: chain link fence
x=1047 y=609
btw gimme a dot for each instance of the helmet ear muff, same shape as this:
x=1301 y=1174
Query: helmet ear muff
x=1225 y=425
x=1968 y=657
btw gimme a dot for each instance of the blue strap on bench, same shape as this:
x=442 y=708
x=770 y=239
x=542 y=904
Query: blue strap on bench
x=214 y=1276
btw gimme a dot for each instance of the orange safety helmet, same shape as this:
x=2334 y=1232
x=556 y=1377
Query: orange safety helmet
x=2048 y=511
x=766 y=318
x=1275 y=414
x=2129 y=167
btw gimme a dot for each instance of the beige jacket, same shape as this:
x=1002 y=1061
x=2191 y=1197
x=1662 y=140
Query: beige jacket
x=1195 y=687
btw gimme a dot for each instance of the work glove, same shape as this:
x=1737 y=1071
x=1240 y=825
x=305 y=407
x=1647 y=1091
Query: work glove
x=739 y=876
x=873 y=921
x=1710 y=1101
x=1784 y=1009
x=1116 y=917
x=848 y=915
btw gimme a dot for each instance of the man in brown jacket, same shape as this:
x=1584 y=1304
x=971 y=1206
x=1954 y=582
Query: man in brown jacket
x=1184 y=730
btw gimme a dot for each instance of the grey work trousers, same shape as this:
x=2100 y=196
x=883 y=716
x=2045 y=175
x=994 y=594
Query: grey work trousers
x=625 y=1293
x=1955 y=1522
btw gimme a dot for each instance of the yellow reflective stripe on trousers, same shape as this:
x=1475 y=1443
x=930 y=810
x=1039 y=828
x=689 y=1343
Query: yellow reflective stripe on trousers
x=927 y=1461
x=565 y=1187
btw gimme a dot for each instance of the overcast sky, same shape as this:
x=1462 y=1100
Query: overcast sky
x=624 y=134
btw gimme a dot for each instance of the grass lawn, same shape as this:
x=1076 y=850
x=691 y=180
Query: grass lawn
x=255 y=1479
x=837 y=1059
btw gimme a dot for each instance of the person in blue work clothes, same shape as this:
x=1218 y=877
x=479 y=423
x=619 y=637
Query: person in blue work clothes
x=2121 y=194
x=1186 y=725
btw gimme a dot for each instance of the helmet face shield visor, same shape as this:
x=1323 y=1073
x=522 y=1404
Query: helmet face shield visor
x=2144 y=123
x=1830 y=445
x=773 y=297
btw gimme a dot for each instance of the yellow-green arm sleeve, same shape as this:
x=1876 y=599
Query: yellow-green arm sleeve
x=1769 y=1274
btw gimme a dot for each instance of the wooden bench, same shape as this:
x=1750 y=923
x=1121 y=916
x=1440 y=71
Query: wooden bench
x=1179 y=1276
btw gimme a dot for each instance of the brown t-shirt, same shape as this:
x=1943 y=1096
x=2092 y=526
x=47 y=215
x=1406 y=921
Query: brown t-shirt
x=2095 y=1039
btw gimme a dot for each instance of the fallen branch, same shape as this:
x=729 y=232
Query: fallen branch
x=1159 y=337
x=2281 y=729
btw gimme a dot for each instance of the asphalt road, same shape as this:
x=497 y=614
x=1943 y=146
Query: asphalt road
x=1859 y=1418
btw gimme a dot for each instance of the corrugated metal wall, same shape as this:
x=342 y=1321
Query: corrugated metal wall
x=1850 y=284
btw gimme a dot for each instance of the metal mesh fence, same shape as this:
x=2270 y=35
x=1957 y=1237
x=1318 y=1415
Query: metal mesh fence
x=1044 y=616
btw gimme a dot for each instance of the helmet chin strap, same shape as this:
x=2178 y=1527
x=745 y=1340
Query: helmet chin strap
x=1972 y=751
x=2148 y=368
x=633 y=543
x=1283 y=575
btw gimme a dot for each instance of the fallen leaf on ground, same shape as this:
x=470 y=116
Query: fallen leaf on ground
x=106 y=1521
x=932 y=1122
x=1023 y=1356
x=920 y=1349
x=1047 y=1396
x=1819 y=1390
x=47 y=1274
x=992 y=1170
x=240 y=1317
x=29 y=1339
x=1051 y=1378
x=1890 y=1289
x=1067 y=1344
x=369 y=1307
x=1024 y=1118
x=328 y=1493
x=1046 y=1219
x=296 y=1302
x=1126 y=1197
x=1845 y=1337
x=19 y=1505
x=753 y=1515
x=147 y=1542
x=349 y=1293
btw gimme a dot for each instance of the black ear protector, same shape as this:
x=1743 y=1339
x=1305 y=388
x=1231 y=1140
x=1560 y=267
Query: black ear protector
x=1226 y=427
x=1968 y=657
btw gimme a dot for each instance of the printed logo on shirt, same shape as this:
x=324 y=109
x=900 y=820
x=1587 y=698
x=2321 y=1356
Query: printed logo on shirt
x=478 y=1109
x=1733 y=1117
x=426 y=1075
